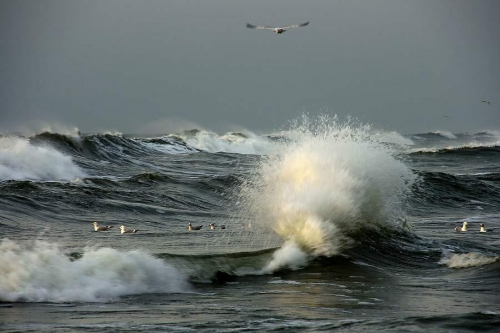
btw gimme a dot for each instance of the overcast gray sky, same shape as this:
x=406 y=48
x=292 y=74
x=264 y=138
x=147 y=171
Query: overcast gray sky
x=160 y=66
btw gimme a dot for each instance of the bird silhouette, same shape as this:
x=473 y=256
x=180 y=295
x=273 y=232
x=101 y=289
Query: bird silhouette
x=277 y=30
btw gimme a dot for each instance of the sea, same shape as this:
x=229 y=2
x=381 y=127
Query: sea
x=320 y=226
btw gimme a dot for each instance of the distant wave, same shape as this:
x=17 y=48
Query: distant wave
x=110 y=145
x=443 y=139
x=468 y=148
x=444 y=134
x=452 y=136
x=233 y=142
x=41 y=272
x=171 y=144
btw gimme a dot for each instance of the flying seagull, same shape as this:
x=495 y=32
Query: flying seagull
x=278 y=31
x=486 y=102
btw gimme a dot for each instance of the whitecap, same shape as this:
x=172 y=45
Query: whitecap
x=41 y=272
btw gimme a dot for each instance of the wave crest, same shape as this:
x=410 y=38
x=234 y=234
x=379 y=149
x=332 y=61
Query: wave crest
x=233 y=142
x=19 y=159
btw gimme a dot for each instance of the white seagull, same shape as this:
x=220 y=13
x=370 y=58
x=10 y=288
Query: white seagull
x=463 y=228
x=98 y=228
x=127 y=231
x=278 y=31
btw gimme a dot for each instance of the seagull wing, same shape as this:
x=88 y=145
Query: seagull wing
x=260 y=27
x=296 y=25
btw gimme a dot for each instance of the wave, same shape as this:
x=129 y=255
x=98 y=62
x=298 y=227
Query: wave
x=171 y=144
x=41 y=272
x=20 y=160
x=465 y=260
x=330 y=182
x=110 y=146
x=434 y=141
x=474 y=148
x=446 y=135
x=442 y=190
x=233 y=142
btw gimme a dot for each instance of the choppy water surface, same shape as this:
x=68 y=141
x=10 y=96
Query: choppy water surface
x=322 y=227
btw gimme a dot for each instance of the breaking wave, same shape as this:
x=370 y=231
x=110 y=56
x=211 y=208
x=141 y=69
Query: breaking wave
x=41 y=272
x=20 y=159
x=233 y=142
x=331 y=181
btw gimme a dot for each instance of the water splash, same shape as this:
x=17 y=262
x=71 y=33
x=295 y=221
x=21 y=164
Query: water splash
x=328 y=183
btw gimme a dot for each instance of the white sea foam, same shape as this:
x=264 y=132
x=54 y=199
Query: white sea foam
x=331 y=180
x=41 y=272
x=288 y=256
x=21 y=160
x=248 y=143
x=465 y=260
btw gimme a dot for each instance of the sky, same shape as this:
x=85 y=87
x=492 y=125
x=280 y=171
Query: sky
x=162 y=66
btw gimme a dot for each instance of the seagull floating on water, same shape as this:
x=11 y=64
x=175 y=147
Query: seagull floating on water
x=98 y=228
x=127 y=231
x=212 y=226
x=483 y=228
x=191 y=228
x=463 y=228
x=277 y=30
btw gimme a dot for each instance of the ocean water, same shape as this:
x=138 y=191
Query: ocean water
x=322 y=226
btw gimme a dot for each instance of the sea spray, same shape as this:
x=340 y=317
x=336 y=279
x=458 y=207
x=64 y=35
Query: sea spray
x=41 y=272
x=329 y=182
